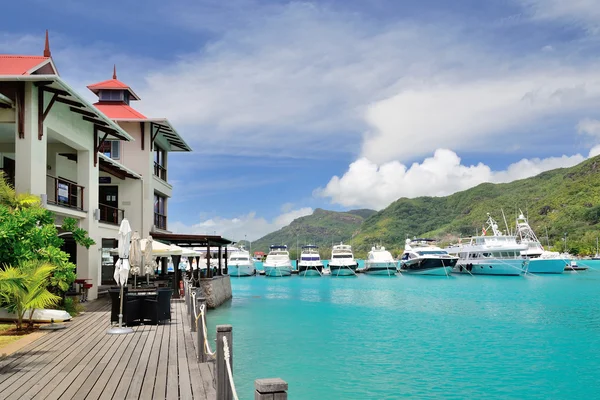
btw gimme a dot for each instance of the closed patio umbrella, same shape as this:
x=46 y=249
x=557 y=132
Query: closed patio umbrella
x=135 y=257
x=148 y=260
x=122 y=271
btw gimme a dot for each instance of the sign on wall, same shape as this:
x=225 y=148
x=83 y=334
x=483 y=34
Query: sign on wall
x=105 y=179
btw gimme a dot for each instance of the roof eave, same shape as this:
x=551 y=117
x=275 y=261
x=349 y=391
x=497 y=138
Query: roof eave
x=73 y=93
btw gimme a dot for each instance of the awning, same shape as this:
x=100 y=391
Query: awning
x=189 y=240
x=114 y=168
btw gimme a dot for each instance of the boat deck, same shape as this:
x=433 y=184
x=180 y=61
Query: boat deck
x=84 y=362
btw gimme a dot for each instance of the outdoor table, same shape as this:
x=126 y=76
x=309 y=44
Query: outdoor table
x=138 y=296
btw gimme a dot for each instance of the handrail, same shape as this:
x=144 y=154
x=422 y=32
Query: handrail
x=160 y=221
x=110 y=214
x=226 y=355
x=73 y=197
x=160 y=171
x=202 y=316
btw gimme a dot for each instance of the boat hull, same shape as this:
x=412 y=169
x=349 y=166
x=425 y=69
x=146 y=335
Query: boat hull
x=429 y=266
x=546 y=266
x=343 y=270
x=490 y=267
x=309 y=271
x=241 y=270
x=381 y=269
x=277 y=271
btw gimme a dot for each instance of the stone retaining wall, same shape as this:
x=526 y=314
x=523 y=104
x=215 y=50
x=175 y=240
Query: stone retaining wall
x=216 y=290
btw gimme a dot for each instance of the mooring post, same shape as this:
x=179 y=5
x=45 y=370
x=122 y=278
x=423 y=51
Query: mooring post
x=202 y=356
x=192 y=316
x=270 y=389
x=224 y=391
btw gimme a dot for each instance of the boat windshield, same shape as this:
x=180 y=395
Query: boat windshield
x=239 y=259
x=310 y=258
x=342 y=256
x=423 y=252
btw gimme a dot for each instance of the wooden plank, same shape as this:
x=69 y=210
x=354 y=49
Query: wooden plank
x=185 y=386
x=160 y=379
x=93 y=366
x=198 y=391
x=70 y=378
x=206 y=373
x=42 y=372
x=135 y=386
x=41 y=355
x=148 y=382
x=98 y=369
x=120 y=373
x=172 y=372
x=104 y=378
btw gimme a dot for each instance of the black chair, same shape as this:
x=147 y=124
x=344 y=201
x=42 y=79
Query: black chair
x=158 y=309
x=133 y=310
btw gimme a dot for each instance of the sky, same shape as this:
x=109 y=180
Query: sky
x=337 y=104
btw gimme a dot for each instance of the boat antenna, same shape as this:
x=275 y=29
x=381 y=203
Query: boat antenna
x=508 y=231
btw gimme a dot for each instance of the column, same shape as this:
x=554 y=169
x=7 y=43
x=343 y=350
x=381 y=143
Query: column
x=30 y=152
x=89 y=261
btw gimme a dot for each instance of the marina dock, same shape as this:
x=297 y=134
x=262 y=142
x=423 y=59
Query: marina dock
x=84 y=362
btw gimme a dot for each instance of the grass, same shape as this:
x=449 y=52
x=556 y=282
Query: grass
x=8 y=334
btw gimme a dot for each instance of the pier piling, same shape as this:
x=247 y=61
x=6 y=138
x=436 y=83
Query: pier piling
x=270 y=389
x=224 y=391
x=202 y=356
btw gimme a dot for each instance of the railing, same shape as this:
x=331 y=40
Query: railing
x=111 y=215
x=64 y=193
x=160 y=171
x=271 y=388
x=160 y=221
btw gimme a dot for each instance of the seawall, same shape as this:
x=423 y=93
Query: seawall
x=216 y=290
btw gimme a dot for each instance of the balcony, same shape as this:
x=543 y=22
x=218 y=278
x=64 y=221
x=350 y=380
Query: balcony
x=111 y=215
x=160 y=221
x=64 y=193
x=160 y=171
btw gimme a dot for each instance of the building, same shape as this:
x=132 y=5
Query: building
x=145 y=201
x=97 y=163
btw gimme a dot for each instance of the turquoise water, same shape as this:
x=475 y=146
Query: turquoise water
x=370 y=337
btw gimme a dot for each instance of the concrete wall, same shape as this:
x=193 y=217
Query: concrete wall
x=216 y=290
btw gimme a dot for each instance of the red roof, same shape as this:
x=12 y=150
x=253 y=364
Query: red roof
x=19 y=65
x=113 y=84
x=118 y=111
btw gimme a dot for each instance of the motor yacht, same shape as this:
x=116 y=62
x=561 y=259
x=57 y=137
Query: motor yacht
x=241 y=264
x=424 y=257
x=278 y=262
x=310 y=263
x=380 y=262
x=342 y=262
x=538 y=260
x=496 y=254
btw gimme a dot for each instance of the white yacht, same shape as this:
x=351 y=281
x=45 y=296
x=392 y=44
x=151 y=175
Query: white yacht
x=342 y=262
x=424 y=257
x=310 y=263
x=241 y=264
x=380 y=262
x=278 y=262
x=498 y=254
x=538 y=260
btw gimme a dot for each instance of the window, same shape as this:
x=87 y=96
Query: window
x=160 y=163
x=159 y=204
x=111 y=148
x=111 y=95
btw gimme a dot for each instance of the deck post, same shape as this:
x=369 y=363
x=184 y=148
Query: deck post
x=223 y=388
x=188 y=296
x=192 y=316
x=270 y=389
x=202 y=356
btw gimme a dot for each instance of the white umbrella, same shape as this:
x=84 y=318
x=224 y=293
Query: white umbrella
x=148 y=260
x=135 y=257
x=122 y=271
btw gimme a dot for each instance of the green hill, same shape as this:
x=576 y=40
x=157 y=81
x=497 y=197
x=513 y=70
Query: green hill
x=321 y=228
x=560 y=201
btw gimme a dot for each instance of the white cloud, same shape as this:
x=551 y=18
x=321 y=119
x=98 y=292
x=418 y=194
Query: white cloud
x=584 y=12
x=589 y=127
x=367 y=184
x=248 y=226
x=594 y=151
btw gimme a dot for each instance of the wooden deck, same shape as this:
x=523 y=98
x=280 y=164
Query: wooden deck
x=84 y=362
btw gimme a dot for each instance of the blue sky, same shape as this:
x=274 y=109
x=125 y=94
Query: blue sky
x=291 y=106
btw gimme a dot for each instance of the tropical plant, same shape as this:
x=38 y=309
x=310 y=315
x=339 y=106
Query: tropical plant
x=28 y=233
x=31 y=294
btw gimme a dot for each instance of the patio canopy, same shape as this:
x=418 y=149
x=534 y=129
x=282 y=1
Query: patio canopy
x=158 y=249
